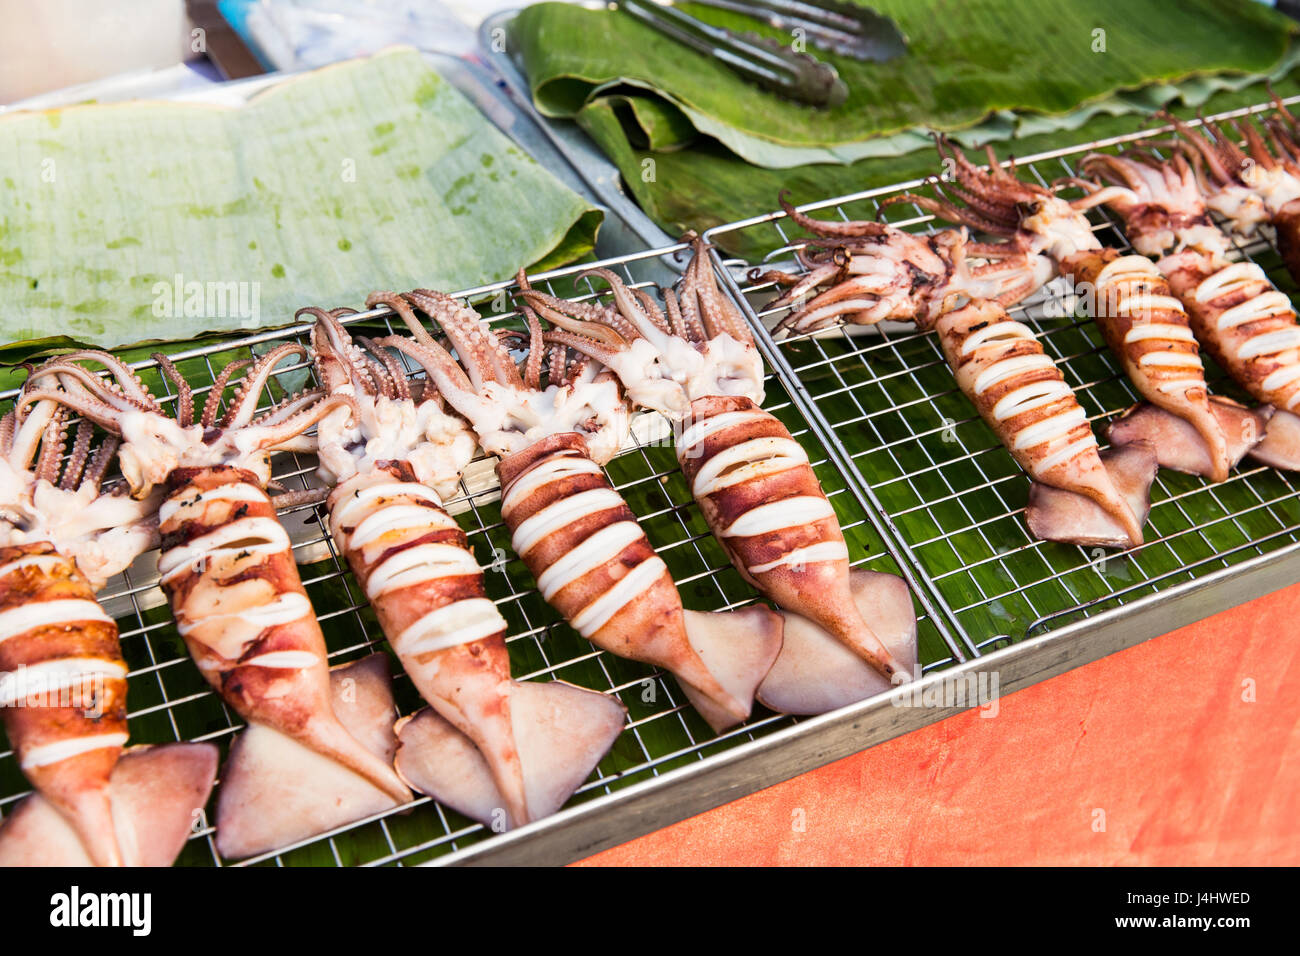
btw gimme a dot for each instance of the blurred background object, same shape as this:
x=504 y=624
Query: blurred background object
x=57 y=43
x=300 y=34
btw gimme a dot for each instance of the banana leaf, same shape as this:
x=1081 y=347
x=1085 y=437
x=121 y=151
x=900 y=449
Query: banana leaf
x=707 y=184
x=968 y=61
x=148 y=222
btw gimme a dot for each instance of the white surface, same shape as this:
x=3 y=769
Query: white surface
x=51 y=44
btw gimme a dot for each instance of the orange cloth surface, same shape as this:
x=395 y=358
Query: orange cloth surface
x=1155 y=755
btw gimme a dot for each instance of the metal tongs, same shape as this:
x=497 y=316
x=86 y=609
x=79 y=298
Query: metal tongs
x=843 y=28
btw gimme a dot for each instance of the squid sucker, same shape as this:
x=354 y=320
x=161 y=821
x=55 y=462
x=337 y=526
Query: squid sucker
x=697 y=365
x=1143 y=322
x=571 y=527
x=1080 y=494
x=63 y=679
x=227 y=567
x=1240 y=318
x=488 y=745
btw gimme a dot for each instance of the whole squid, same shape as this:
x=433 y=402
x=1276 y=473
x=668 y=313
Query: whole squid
x=960 y=289
x=62 y=675
x=228 y=570
x=392 y=458
x=574 y=531
x=694 y=361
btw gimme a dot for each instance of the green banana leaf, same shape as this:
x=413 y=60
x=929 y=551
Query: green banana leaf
x=968 y=61
x=707 y=185
x=148 y=222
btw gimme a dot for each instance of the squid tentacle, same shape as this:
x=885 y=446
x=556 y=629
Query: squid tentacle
x=582 y=344
x=53 y=442
x=651 y=308
x=473 y=340
x=308 y=409
x=398 y=304
x=556 y=360
x=123 y=378
x=533 y=364
x=337 y=359
x=7 y=434
x=822 y=227
x=77 y=460
x=83 y=402
x=184 y=395
x=107 y=391
x=398 y=386
x=97 y=467
x=212 y=407
x=639 y=324
x=243 y=407
x=447 y=375
x=676 y=323
x=580 y=318
x=720 y=316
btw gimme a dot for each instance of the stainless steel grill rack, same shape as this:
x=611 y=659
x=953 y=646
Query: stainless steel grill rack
x=953 y=498
x=168 y=700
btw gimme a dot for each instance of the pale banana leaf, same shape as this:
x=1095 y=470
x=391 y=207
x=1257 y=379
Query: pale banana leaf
x=374 y=173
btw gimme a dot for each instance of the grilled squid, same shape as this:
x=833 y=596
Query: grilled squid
x=697 y=364
x=392 y=458
x=1080 y=495
x=227 y=568
x=1024 y=398
x=1143 y=322
x=1241 y=319
x=62 y=675
x=864 y=272
x=571 y=527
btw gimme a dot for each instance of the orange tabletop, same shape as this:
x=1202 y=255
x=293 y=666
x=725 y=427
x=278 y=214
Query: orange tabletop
x=1181 y=750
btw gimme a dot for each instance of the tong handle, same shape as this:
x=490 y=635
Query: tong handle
x=797 y=76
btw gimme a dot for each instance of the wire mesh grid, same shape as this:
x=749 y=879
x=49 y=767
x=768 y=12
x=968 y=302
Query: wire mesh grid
x=169 y=700
x=953 y=496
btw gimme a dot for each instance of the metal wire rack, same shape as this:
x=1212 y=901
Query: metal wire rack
x=168 y=700
x=953 y=497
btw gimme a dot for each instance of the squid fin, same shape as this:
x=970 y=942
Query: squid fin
x=275 y=791
x=91 y=812
x=738 y=648
x=157 y=796
x=816 y=673
x=1057 y=515
x=562 y=732
x=1180 y=446
x=1281 y=445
